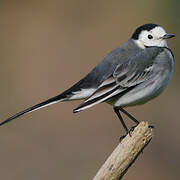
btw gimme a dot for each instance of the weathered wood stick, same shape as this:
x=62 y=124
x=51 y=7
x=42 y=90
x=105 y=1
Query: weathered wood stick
x=125 y=153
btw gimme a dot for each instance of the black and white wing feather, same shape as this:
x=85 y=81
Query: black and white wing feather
x=126 y=76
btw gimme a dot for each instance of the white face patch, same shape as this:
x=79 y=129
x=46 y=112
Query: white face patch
x=152 y=38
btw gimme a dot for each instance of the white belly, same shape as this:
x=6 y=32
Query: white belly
x=144 y=92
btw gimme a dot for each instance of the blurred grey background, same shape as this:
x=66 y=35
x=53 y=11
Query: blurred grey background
x=45 y=47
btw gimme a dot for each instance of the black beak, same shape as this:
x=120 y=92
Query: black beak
x=168 y=36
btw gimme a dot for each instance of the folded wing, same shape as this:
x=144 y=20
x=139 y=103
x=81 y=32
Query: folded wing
x=126 y=76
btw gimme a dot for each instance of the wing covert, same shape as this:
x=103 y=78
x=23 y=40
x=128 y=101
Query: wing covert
x=127 y=75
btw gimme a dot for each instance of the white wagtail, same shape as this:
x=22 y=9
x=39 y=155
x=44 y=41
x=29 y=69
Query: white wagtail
x=132 y=74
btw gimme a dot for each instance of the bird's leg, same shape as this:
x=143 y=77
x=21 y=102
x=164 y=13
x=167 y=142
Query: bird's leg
x=122 y=122
x=132 y=118
x=129 y=115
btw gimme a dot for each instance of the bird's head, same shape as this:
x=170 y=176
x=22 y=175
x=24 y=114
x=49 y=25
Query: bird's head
x=149 y=35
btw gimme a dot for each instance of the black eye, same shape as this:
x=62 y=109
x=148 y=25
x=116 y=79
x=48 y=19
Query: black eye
x=150 y=36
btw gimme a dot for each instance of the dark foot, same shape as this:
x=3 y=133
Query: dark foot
x=129 y=132
x=132 y=129
x=122 y=137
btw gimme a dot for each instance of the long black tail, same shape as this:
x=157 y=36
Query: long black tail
x=66 y=95
x=50 y=101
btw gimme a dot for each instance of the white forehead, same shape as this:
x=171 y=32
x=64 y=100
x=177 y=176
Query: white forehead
x=156 y=32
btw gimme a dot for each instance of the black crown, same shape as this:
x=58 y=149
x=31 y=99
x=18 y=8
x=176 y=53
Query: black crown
x=147 y=27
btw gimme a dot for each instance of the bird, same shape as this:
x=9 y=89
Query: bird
x=132 y=74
